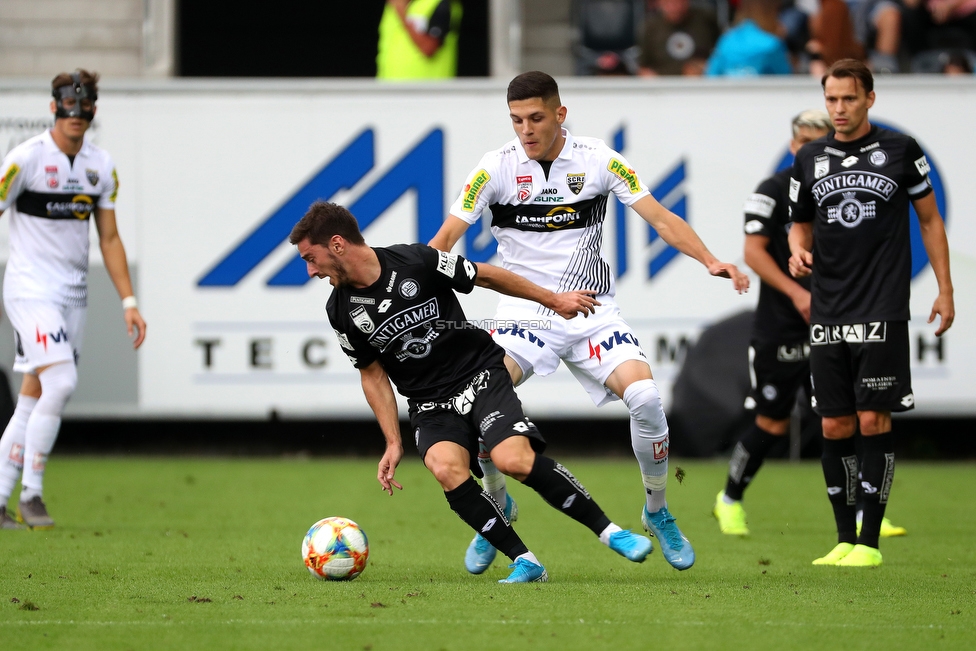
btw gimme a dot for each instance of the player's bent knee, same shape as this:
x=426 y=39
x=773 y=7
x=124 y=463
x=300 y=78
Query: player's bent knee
x=514 y=460
x=58 y=383
x=644 y=402
x=874 y=422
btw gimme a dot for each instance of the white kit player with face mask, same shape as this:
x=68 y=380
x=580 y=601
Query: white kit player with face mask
x=50 y=187
x=547 y=192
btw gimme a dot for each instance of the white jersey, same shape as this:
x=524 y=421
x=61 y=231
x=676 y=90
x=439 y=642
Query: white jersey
x=50 y=200
x=549 y=227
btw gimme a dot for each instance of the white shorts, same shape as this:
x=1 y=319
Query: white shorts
x=591 y=347
x=45 y=332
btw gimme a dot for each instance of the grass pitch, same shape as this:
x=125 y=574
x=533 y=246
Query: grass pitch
x=205 y=554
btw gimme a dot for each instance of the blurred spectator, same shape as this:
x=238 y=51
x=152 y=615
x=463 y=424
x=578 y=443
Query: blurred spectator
x=418 y=39
x=957 y=63
x=607 y=35
x=754 y=46
x=678 y=38
x=796 y=17
x=877 y=26
x=832 y=37
x=940 y=24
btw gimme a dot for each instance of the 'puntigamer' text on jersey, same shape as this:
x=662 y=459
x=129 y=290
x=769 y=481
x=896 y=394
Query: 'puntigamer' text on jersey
x=411 y=321
x=857 y=196
x=767 y=214
x=549 y=226
x=50 y=200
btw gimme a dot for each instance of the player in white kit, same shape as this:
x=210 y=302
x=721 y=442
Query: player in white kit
x=547 y=192
x=51 y=186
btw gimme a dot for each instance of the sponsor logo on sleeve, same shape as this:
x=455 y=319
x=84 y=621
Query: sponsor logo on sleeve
x=446 y=263
x=344 y=340
x=575 y=182
x=794 y=190
x=922 y=165
x=754 y=226
x=625 y=174
x=8 y=180
x=115 y=186
x=821 y=166
x=524 y=187
x=760 y=204
x=92 y=176
x=473 y=190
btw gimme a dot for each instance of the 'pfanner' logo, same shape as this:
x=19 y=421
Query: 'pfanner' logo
x=625 y=174
x=8 y=180
x=473 y=190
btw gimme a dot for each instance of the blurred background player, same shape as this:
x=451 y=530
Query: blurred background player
x=397 y=317
x=418 y=39
x=849 y=202
x=780 y=347
x=51 y=186
x=547 y=192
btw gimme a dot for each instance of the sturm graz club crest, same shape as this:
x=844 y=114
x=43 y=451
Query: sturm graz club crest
x=850 y=212
x=575 y=182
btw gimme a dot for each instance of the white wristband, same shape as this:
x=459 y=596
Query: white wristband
x=129 y=302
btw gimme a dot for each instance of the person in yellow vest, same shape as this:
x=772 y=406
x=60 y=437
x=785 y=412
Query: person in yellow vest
x=418 y=39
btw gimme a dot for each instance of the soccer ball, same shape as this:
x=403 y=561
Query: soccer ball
x=335 y=549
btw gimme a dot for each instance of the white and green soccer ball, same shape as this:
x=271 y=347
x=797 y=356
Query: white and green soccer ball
x=335 y=549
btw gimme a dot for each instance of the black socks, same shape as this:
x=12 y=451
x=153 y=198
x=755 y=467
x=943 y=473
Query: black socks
x=839 y=462
x=482 y=513
x=877 y=472
x=562 y=491
x=747 y=457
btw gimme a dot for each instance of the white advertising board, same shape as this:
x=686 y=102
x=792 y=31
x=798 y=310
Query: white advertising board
x=214 y=175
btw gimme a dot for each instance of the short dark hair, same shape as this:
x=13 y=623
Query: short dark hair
x=529 y=85
x=850 y=69
x=322 y=221
x=87 y=79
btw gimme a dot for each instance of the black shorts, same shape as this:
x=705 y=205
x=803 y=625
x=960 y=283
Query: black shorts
x=861 y=367
x=487 y=409
x=776 y=372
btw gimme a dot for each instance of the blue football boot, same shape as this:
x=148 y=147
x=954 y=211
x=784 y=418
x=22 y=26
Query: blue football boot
x=526 y=572
x=675 y=547
x=630 y=545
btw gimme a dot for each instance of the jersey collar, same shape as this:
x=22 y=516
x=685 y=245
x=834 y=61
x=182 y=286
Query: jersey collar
x=49 y=142
x=566 y=153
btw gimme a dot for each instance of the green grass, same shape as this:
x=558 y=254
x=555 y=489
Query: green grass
x=205 y=554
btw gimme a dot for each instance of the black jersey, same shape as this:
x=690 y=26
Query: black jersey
x=411 y=321
x=857 y=196
x=767 y=214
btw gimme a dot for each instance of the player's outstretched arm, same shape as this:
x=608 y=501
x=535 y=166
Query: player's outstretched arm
x=565 y=304
x=801 y=244
x=449 y=233
x=759 y=259
x=937 y=247
x=379 y=395
x=118 y=270
x=676 y=232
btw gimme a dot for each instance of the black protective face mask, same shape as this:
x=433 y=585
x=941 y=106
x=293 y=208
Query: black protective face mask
x=77 y=91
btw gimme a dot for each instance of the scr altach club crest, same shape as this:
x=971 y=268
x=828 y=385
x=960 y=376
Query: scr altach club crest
x=575 y=182
x=92 y=176
x=524 y=187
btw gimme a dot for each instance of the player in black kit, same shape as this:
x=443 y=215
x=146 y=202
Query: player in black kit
x=780 y=348
x=849 y=201
x=396 y=315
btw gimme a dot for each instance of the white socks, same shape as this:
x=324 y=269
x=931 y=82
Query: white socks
x=609 y=531
x=493 y=481
x=58 y=382
x=649 y=437
x=12 y=446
